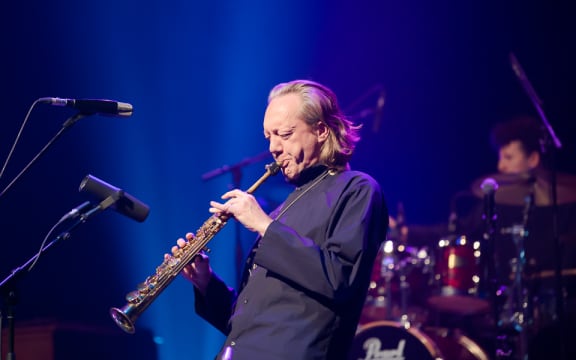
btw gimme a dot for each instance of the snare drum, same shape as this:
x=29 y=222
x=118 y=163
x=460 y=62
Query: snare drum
x=457 y=276
x=391 y=340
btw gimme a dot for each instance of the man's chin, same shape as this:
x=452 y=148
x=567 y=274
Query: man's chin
x=289 y=176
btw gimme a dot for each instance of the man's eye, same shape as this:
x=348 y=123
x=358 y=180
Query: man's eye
x=285 y=135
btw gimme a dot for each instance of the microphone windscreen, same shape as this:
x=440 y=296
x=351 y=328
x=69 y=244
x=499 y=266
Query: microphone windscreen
x=489 y=186
x=125 y=203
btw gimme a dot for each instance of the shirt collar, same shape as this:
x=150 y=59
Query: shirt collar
x=309 y=174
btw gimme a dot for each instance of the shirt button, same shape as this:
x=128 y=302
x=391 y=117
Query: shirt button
x=233 y=343
x=245 y=301
x=254 y=266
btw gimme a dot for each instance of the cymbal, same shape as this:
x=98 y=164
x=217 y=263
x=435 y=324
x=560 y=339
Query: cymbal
x=547 y=274
x=550 y=273
x=513 y=188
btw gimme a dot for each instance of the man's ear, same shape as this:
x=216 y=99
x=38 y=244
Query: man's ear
x=322 y=131
x=534 y=160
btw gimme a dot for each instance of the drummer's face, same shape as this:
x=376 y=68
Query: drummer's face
x=512 y=159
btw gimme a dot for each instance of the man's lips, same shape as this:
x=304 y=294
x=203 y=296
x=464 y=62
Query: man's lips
x=283 y=163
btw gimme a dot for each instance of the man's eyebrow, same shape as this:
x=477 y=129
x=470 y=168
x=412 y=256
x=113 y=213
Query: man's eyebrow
x=277 y=131
x=288 y=128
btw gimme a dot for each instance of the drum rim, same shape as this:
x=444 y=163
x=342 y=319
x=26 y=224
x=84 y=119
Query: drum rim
x=462 y=339
x=473 y=347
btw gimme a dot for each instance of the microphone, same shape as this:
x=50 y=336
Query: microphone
x=92 y=106
x=124 y=203
x=489 y=187
x=378 y=111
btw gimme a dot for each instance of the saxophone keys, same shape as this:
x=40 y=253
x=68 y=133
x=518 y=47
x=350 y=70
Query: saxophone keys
x=172 y=261
x=148 y=285
x=133 y=297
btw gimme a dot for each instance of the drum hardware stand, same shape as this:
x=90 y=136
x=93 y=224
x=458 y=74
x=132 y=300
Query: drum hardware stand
x=391 y=265
x=388 y=268
x=387 y=274
x=515 y=315
x=514 y=319
x=403 y=269
x=404 y=293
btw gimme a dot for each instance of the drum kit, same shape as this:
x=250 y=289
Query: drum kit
x=442 y=301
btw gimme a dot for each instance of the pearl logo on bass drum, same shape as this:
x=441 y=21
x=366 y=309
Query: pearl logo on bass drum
x=374 y=350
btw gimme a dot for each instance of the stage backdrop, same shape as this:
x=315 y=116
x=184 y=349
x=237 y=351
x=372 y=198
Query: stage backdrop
x=198 y=74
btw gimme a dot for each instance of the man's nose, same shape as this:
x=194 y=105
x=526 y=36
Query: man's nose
x=501 y=166
x=275 y=146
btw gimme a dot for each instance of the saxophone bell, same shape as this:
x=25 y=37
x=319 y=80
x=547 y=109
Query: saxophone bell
x=124 y=318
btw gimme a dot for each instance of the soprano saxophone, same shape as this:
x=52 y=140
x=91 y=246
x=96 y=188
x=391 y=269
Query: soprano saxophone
x=147 y=291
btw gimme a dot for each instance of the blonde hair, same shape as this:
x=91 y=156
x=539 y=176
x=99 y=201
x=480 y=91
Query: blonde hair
x=320 y=104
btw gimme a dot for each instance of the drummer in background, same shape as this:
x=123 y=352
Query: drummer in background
x=523 y=166
x=518 y=143
x=522 y=171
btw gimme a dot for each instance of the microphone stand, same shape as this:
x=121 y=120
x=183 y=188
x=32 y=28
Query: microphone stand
x=236 y=171
x=489 y=257
x=375 y=111
x=550 y=146
x=8 y=285
x=67 y=124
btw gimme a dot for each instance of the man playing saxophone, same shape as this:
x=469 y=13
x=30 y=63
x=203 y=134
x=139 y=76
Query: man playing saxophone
x=305 y=279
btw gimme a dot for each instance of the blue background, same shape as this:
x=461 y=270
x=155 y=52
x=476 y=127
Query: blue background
x=197 y=74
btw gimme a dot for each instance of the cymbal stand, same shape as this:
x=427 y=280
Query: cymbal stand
x=515 y=318
x=550 y=146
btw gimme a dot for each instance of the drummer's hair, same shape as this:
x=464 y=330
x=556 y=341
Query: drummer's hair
x=525 y=129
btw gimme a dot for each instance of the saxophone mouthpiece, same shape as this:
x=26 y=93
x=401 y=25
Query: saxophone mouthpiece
x=273 y=168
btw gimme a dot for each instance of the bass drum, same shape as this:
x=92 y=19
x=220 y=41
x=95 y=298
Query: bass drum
x=391 y=340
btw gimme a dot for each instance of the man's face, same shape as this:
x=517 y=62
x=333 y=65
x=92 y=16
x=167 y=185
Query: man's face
x=512 y=159
x=293 y=143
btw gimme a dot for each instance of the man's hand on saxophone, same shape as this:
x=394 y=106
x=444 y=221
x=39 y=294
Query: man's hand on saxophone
x=244 y=208
x=198 y=272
